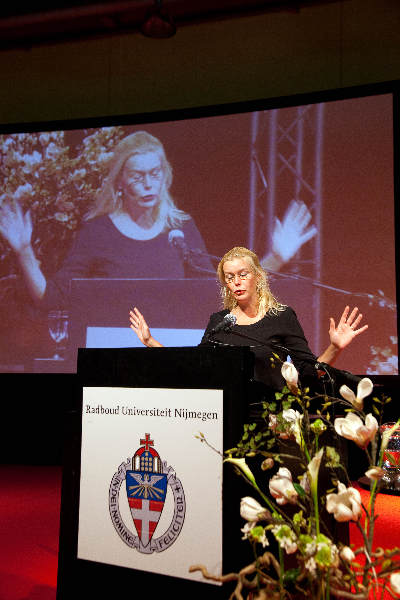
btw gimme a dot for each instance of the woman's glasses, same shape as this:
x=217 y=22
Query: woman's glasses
x=140 y=176
x=242 y=275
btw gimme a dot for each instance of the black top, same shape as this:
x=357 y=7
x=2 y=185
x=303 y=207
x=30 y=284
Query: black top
x=100 y=250
x=280 y=333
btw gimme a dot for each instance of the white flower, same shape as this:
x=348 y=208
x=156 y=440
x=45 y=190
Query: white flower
x=364 y=388
x=52 y=151
x=352 y=428
x=285 y=537
x=313 y=467
x=44 y=138
x=395 y=582
x=290 y=375
x=305 y=483
x=346 y=505
x=311 y=566
x=272 y=422
x=22 y=191
x=246 y=530
x=252 y=511
x=375 y=473
x=255 y=534
x=293 y=418
x=242 y=465
x=281 y=487
x=347 y=554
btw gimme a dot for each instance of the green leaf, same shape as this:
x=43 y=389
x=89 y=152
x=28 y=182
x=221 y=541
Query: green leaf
x=299 y=489
x=391 y=458
x=291 y=575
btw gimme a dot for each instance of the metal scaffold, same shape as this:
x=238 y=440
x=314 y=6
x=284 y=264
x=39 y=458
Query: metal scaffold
x=286 y=165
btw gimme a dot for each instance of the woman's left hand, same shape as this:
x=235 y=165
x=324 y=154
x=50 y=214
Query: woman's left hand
x=346 y=331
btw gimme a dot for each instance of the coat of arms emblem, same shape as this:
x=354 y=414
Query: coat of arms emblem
x=147 y=480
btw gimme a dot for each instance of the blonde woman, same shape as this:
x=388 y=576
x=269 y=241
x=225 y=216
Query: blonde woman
x=262 y=322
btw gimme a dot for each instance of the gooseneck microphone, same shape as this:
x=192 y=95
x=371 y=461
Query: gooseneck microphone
x=176 y=238
x=226 y=324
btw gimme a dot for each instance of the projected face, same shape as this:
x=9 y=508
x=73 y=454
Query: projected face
x=142 y=180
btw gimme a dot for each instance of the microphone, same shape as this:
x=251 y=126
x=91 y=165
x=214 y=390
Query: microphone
x=225 y=325
x=331 y=374
x=176 y=238
x=338 y=375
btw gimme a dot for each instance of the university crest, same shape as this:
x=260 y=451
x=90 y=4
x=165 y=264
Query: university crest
x=147 y=481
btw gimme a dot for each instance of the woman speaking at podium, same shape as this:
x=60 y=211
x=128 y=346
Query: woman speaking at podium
x=258 y=320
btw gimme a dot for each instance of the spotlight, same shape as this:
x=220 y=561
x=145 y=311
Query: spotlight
x=158 y=22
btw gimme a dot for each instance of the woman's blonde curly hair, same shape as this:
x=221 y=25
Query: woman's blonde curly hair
x=267 y=302
x=109 y=198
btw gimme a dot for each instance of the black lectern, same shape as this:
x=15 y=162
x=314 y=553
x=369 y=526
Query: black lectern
x=141 y=495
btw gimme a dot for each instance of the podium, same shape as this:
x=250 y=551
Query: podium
x=143 y=497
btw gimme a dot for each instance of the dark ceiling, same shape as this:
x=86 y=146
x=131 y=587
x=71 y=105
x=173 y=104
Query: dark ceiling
x=25 y=24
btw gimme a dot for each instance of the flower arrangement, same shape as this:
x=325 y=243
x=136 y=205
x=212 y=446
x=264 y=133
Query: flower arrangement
x=55 y=176
x=296 y=553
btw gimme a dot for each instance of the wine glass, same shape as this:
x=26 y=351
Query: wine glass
x=58 y=329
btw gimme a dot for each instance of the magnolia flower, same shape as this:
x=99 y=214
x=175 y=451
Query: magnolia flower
x=347 y=554
x=352 y=428
x=290 y=375
x=346 y=505
x=364 y=388
x=395 y=582
x=281 y=487
x=375 y=473
x=272 y=423
x=252 y=511
x=293 y=418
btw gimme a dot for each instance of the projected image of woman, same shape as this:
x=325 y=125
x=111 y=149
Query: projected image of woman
x=135 y=229
x=129 y=232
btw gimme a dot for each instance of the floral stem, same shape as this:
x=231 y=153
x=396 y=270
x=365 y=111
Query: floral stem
x=281 y=572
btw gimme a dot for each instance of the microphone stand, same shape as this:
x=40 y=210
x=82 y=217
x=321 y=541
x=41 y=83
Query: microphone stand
x=330 y=374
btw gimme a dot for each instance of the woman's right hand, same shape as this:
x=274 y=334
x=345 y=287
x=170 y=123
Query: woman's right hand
x=15 y=226
x=140 y=327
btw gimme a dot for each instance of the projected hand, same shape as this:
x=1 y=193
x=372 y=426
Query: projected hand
x=346 y=331
x=140 y=327
x=15 y=226
x=290 y=234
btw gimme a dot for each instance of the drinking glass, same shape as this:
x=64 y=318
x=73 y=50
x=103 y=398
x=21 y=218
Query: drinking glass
x=58 y=329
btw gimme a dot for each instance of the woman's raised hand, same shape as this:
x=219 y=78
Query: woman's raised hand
x=15 y=226
x=346 y=331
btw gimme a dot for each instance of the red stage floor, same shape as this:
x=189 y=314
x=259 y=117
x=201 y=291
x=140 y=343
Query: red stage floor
x=29 y=526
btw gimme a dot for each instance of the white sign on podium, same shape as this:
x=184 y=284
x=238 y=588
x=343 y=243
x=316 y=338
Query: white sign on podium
x=150 y=491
